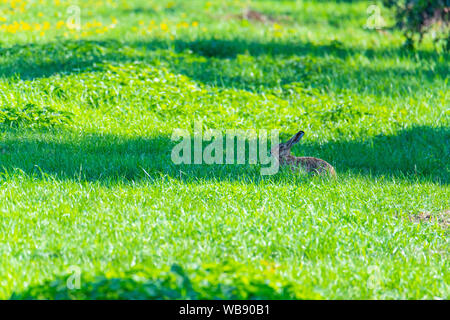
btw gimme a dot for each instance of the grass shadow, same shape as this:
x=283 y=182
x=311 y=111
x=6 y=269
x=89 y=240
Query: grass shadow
x=33 y=61
x=142 y=285
x=418 y=152
x=220 y=62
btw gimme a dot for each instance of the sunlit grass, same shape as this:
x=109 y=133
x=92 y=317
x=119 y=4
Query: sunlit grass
x=99 y=191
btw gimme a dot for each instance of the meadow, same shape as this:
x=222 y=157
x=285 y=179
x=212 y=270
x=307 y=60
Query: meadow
x=89 y=194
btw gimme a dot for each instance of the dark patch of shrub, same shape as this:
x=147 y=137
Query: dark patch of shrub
x=418 y=17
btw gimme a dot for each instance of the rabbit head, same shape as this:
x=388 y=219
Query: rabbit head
x=284 y=149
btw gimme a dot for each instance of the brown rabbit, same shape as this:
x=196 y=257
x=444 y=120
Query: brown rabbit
x=309 y=164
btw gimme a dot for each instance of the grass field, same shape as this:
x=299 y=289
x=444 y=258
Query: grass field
x=88 y=188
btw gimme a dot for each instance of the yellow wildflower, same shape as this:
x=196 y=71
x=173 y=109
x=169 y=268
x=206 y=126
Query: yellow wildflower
x=164 y=27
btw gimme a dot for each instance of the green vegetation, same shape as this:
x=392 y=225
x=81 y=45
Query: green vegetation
x=424 y=16
x=87 y=180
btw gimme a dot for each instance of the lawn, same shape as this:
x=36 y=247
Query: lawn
x=92 y=206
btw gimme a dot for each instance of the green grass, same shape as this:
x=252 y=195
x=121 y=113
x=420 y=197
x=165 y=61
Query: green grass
x=87 y=181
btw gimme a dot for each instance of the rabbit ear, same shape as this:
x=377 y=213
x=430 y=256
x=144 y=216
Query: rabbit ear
x=295 y=139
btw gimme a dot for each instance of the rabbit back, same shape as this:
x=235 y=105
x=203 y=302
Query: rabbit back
x=311 y=165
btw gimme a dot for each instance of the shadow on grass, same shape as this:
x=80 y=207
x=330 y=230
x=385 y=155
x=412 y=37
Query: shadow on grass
x=216 y=62
x=32 y=61
x=175 y=284
x=418 y=152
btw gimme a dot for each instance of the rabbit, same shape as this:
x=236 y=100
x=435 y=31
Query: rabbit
x=310 y=164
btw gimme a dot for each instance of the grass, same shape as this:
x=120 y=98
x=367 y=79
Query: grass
x=87 y=182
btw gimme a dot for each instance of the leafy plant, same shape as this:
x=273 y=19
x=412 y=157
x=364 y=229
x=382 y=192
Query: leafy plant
x=34 y=116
